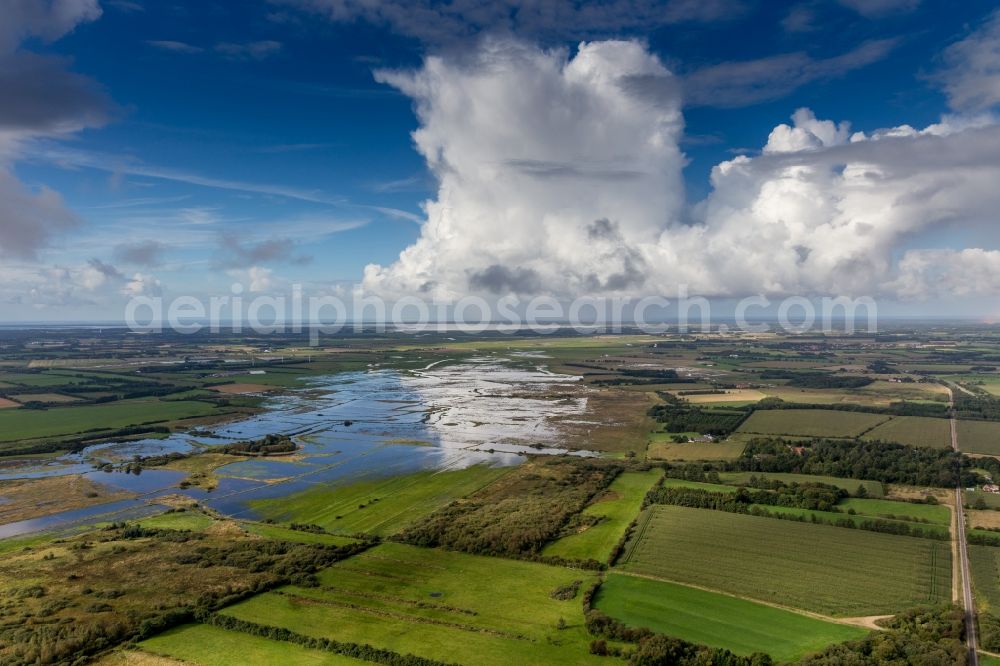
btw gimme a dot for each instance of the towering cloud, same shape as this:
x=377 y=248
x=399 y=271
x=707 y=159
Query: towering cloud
x=561 y=174
x=546 y=163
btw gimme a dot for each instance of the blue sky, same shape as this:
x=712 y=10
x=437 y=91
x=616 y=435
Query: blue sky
x=217 y=138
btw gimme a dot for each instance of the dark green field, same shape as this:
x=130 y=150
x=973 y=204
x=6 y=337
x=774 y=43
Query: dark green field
x=716 y=619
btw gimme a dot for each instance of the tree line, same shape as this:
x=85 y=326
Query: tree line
x=853 y=459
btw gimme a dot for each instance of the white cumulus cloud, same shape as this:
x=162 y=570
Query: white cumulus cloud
x=544 y=163
x=561 y=174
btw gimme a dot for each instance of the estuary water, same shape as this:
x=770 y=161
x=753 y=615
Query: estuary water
x=350 y=427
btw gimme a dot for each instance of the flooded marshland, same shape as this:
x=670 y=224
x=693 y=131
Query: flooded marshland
x=350 y=427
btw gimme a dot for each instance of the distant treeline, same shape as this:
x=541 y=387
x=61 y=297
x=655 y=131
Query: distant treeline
x=852 y=459
x=901 y=408
x=817 y=380
x=642 y=376
x=812 y=496
x=77 y=444
x=679 y=415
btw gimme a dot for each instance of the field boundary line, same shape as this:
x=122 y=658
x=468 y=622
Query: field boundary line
x=877 y=425
x=645 y=516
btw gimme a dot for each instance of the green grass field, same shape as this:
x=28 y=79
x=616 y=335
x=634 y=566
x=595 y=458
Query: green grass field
x=661 y=447
x=979 y=437
x=984 y=561
x=821 y=568
x=874 y=488
x=697 y=485
x=825 y=396
x=40 y=379
x=278 y=377
x=437 y=604
x=616 y=508
x=915 y=391
x=206 y=645
x=989 y=383
x=400 y=500
x=933 y=513
x=810 y=422
x=18 y=424
x=922 y=431
x=717 y=620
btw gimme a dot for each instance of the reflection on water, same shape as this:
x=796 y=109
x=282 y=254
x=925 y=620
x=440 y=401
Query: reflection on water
x=148 y=481
x=351 y=427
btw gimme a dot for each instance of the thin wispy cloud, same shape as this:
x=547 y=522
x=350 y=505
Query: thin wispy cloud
x=317 y=89
x=437 y=23
x=415 y=183
x=256 y=50
x=174 y=46
x=295 y=147
x=131 y=167
x=90 y=160
x=880 y=8
x=398 y=214
x=741 y=83
x=137 y=202
x=248 y=50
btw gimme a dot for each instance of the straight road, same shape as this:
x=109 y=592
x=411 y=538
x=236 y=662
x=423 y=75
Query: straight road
x=963 y=553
